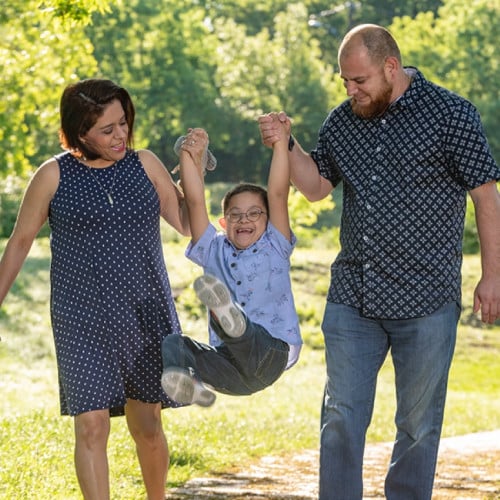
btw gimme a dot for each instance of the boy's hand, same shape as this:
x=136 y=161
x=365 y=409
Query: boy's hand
x=282 y=133
x=196 y=144
x=271 y=126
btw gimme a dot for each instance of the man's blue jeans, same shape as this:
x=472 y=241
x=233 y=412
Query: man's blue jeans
x=240 y=366
x=356 y=347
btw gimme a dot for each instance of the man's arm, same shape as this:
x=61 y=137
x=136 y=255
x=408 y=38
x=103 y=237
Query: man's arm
x=193 y=186
x=305 y=175
x=304 y=172
x=487 y=293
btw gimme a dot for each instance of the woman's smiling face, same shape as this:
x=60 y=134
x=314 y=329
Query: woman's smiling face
x=108 y=137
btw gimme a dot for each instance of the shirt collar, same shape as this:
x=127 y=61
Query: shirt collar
x=412 y=93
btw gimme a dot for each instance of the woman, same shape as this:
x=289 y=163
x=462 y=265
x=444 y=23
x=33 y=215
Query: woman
x=111 y=303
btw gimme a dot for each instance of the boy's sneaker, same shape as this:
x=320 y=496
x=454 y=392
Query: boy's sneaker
x=215 y=295
x=183 y=387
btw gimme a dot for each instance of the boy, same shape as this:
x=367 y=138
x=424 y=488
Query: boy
x=253 y=325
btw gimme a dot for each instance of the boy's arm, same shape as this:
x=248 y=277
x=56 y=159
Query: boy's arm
x=190 y=157
x=278 y=186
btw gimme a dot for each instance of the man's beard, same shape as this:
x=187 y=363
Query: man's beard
x=376 y=107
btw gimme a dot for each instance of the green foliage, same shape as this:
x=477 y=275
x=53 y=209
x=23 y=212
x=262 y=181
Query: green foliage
x=10 y=198
x=304 y=216
x=471 y=238
x=457 y=48
x=74 y=11
x=219 y=65
x=186 y=69
x=42 y=50
x=329 y=21
x=163 y=52
x=286 y=73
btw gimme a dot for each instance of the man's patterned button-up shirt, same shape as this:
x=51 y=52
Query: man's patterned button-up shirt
x=405 y=179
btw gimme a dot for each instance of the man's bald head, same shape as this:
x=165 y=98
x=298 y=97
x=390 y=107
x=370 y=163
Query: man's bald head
x=377 y=41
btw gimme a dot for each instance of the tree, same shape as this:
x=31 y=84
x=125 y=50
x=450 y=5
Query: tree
x=457 y=49
x=186 y=69
x=42 y=48
x=260 y=73
x=163 y=53
x=329 y=21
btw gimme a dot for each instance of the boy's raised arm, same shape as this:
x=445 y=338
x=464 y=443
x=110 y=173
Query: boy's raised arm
x=278 y=185
x=193 y=186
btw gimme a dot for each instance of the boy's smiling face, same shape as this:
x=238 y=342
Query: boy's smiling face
x=244 y=233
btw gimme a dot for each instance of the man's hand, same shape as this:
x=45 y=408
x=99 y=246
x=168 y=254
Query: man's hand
x=487 y=299
x=269 y=126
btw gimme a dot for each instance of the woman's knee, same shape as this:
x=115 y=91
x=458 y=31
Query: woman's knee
x=92 y=427
x=144 y=421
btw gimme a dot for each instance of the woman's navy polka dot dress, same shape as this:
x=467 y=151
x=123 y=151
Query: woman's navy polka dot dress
x=111 y=302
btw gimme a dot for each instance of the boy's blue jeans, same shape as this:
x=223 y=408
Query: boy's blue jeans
x=356 y=347
x=240 y=366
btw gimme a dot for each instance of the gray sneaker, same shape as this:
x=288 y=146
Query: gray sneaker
x=183 y=387
x=209 y=161
x=215 y=295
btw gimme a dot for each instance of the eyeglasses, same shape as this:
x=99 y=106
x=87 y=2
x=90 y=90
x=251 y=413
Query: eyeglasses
x=252 y=215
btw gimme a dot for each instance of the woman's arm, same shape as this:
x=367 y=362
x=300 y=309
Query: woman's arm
x=172 y=205
x=33 y=212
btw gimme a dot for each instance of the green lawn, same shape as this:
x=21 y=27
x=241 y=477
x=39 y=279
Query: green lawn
x=36 y=443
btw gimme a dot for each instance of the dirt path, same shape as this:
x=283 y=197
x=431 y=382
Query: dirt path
x=468 y=468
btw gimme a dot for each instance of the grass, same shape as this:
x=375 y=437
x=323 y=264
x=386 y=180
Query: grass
x=36 y=444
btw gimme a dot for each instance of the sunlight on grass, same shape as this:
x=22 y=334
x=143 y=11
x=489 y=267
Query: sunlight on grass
x=36 y=444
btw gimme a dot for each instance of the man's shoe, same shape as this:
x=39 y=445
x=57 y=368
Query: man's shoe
x=215 y=295
x=183 y=387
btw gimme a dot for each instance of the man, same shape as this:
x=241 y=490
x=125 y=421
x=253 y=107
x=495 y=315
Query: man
x=407 y=152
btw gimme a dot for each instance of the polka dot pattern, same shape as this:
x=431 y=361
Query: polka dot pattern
x=111 y=302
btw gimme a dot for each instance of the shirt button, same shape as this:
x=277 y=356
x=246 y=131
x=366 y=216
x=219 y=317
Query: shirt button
x=242 y=304
x=365 y=238
x=378 y=149
x=374 y=177
x=368 y=206
x=238 y=282
x=383 y=121
x=367 y=266
x=233 y=264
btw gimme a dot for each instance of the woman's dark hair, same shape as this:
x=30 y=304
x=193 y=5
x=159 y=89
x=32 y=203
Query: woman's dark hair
x=245 y=188
x=82 y=104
